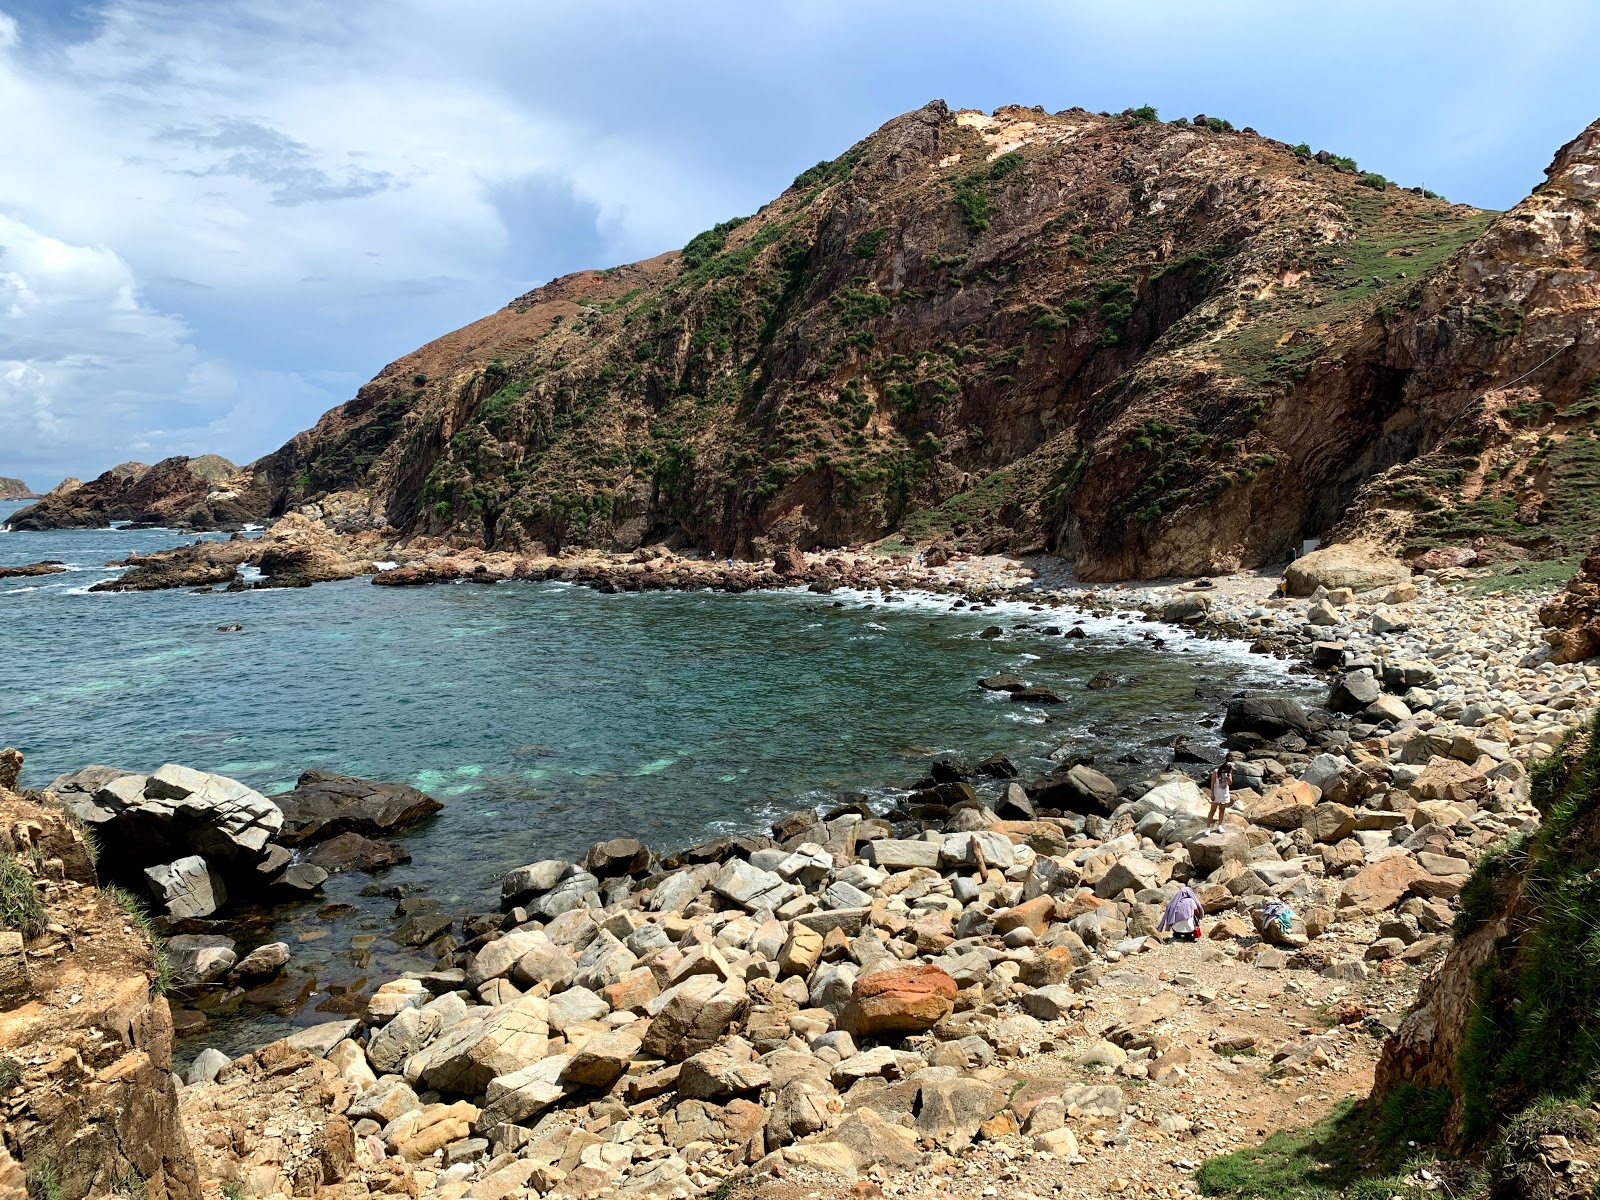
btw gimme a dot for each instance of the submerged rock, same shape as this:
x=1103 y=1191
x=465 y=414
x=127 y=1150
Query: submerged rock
x=325 y=805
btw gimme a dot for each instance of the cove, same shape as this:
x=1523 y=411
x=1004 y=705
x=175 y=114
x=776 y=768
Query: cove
x=546 y=717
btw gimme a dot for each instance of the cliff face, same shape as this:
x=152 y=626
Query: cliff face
x=1154 y=347
x=1506 y=1024
x=186 y=493
x=88 y=1101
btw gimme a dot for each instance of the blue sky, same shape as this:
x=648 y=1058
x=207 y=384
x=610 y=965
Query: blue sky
x=218 y=219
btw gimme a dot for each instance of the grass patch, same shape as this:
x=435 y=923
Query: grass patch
x=985 y=499
x=20 y=906
x=10 y=1074
x=160 y=965
x=1523 y=575
x=1354 y=1153
x=43 y=1182
x=1389 y=237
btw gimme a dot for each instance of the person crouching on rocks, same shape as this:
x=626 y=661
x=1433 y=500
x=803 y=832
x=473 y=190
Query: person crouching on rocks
x=1182 y=915
x=1221 y=796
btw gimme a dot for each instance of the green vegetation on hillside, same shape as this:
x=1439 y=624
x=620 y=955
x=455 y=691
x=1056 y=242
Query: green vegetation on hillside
x=1535 y=1034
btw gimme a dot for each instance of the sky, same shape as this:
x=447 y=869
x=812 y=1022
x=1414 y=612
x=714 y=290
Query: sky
x=218 y=219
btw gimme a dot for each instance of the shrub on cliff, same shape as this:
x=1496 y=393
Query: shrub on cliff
x=1535 y=1033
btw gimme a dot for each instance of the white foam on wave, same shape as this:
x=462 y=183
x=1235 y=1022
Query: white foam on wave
x=1125 y=629
x=381 y=566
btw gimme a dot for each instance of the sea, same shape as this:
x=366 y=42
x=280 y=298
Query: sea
x=546 y=717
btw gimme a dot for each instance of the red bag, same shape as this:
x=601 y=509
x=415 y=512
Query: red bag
x=1198 y=933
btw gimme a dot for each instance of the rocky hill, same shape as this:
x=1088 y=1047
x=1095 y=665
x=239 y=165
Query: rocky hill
x=14 y=489
x=185 y=493
x=1153 y=347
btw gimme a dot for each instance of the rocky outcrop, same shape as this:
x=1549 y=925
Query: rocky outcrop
x=15 y=489
x=185 y=837
x=91 y=1098
x=192 y=840
x=181 y=492
x=1572 y=618
x=296 y=551
x=32 y=570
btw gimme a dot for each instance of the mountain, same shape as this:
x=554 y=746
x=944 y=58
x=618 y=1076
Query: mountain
x=14 y=489
x=1151 y=347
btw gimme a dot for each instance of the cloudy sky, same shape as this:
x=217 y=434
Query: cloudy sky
x=218 y=219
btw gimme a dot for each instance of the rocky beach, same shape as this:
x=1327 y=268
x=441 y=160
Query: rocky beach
x=962 y=989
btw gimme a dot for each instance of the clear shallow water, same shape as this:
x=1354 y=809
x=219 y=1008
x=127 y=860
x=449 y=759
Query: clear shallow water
x=546 y=717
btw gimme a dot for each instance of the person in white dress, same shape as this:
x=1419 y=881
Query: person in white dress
x=1221 y=796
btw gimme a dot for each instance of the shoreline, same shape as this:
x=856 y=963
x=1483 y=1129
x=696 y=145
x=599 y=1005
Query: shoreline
x=972 y=941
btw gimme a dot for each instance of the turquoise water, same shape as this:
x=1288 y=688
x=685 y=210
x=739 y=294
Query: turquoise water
x=546 y=717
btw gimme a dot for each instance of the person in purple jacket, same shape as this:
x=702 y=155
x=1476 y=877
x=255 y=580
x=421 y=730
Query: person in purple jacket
x=1182 y=915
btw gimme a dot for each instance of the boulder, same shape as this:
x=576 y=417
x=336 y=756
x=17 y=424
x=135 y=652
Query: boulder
x=186 y=888
x=1381 y=886
x=1269 y=716
x=147 y=818
x=1450 y=781
x=719 y=1071
x=899 y=1000
x=264 y=962
x=619 y=856
x=602 y=1060
x=1285 y=807
x=1354 y=691
x=1210 y=849
x=323 y=805
x=1345 y=566
x=521 y=885
x=877 y=1142
x=1330 y=823
x=355 y=852
x=751 y=887
x=1079 y=789
x=199 y=958
x=892 y=854
x=497 y=959
x=471 y=1053
x=525 y=1092
x=1130 y=872
x=689 y=1017
x=951 y=1110
x=407 y=1032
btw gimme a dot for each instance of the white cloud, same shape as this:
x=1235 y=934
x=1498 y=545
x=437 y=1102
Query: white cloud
x=84 y=362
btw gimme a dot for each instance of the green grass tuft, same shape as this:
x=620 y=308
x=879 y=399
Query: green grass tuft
x=160 y=965
x=43 y=1182
x=20 y=906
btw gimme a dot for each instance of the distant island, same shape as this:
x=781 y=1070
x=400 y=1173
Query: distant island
x=15 y=489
